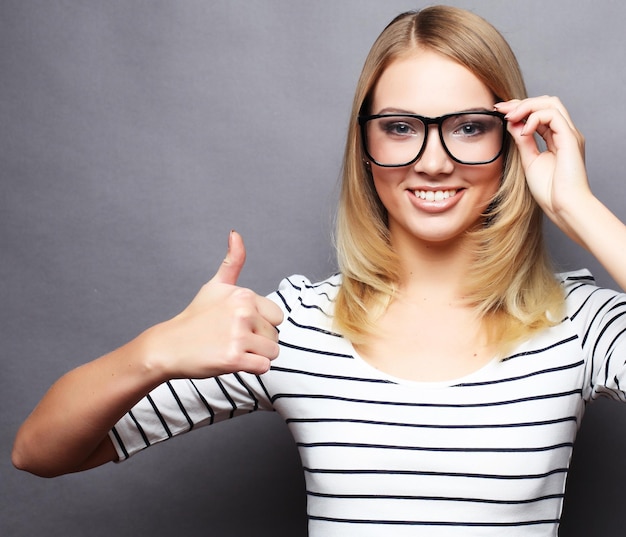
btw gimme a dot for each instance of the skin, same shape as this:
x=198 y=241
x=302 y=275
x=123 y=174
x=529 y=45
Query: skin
x=227 y=329
x=426 y=334
x=431 y=236
x=558 y=180
x=428 y=84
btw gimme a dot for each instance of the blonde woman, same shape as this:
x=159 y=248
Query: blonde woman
x=435 y=385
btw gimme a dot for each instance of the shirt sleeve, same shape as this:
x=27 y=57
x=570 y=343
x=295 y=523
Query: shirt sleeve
x=181 y=405
x=600 y=317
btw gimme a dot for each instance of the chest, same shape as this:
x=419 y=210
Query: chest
x=428 y=344
x=494 y=452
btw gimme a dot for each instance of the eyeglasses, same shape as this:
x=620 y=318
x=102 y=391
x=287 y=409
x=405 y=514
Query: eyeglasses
x=394 y=140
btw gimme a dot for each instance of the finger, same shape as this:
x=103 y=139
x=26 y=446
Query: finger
x=265 y=329
x=258 y=358
x=269 y=310
x=255 y=364
x=552 y=126
x=526 y=145
x=516 y=110
x=506 y=106
x=233 y=263
x=262 y=346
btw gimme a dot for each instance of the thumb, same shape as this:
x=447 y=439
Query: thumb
x=233 y=263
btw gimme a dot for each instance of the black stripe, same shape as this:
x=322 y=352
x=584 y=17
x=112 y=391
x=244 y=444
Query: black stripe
x=587 y=299
x=308 y=306
x=311 y=306
x=204 y=402
x=589 y=279
x=293 y=285
x=284 y=301
x=428 y=405
x=120 y=443
x=436 y=449
x=325 y=282
x=247 y=388
x=180 y=405
x=433 y=498
x=598 y=340
x=363 y=471
x=609 y=393
x=313 y=328
x=267 y=393
x=158 y=413
x=539 y=351
x=227 y=395
x=609 y=358
x=139 y=428
x=314 y=351
x=434 y=523
x=521 y=377
x=590 y=324
x=605 y=328
x=334 y=377
x=434 y=426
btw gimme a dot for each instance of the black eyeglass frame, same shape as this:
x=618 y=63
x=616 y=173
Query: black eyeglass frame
x=427 y=121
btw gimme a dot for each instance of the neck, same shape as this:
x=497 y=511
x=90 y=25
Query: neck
x=433 y=271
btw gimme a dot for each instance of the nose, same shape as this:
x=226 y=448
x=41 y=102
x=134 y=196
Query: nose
x=434 y=160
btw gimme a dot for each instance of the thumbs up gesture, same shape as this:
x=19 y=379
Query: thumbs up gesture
x=224 y=329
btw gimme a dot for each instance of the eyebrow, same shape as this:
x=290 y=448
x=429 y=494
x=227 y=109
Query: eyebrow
x=400 y=111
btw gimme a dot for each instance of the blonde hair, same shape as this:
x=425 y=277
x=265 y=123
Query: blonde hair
x=511 y=283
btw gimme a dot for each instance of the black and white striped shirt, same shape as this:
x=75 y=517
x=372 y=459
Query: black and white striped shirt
x=486 y=454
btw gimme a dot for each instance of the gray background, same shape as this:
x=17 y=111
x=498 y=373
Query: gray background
x=135 y=134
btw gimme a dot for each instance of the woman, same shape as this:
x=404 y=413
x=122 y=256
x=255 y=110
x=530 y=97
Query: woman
x=436 y=384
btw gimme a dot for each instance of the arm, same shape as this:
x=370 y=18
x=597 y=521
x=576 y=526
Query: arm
x=557 y=179
x=224 y=329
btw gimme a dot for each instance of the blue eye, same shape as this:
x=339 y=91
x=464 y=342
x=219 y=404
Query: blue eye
x=401 y=127
x=471 y=125
x=398 y=128
x=474 y=128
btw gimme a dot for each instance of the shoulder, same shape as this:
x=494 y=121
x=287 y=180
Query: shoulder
x=574 y=279
x=298 y=291
x=584 y=297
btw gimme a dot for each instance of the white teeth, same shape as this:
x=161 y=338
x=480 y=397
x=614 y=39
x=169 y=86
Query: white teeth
x=437 y=195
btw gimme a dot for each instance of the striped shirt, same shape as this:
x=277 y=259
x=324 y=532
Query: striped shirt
x=486 y=454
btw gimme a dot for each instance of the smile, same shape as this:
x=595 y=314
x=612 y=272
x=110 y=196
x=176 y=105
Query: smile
x=435 y=195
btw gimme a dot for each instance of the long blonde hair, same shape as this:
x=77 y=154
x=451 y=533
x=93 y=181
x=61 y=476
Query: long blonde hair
x=511 y=283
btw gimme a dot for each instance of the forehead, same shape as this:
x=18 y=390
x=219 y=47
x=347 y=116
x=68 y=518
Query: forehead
x=429 y=84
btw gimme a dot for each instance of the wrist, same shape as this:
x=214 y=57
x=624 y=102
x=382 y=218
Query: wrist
x=152 y=360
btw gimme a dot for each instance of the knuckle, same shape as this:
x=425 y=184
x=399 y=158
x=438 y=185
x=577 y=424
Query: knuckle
x=234 y=359
x=242 y=294
x=274 y=351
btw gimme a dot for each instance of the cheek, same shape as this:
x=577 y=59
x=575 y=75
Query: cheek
x=489 y=177
x=387 y=180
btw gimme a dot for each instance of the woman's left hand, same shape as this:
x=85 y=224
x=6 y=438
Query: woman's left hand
x=556 y=176
x=557 y=179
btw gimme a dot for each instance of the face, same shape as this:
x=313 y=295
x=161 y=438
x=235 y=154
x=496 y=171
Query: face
x=434 y=200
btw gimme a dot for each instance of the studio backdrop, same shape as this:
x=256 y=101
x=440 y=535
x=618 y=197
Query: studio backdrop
x=136 y=134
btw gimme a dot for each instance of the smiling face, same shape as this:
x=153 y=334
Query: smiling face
x=435 y=199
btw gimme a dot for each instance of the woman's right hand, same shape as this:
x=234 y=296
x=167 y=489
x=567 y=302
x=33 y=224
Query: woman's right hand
x=224 y=329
